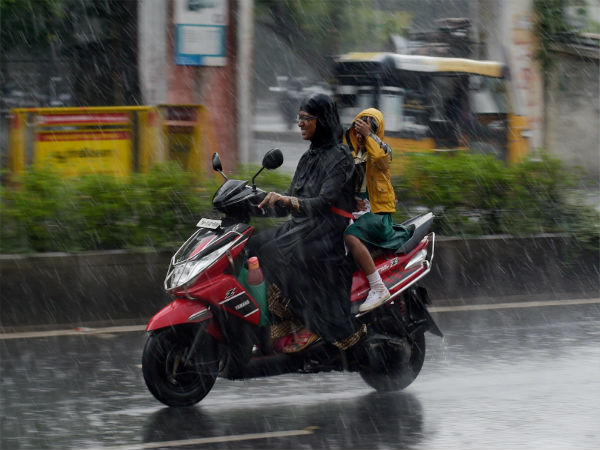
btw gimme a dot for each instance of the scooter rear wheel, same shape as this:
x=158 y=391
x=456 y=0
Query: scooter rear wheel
x=398 y=365
x=173 y=374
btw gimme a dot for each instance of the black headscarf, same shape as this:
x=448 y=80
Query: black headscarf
x=329 y=129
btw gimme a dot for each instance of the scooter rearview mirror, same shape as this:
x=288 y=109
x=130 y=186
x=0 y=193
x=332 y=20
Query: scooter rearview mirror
x=216 y=163
x=272 y=160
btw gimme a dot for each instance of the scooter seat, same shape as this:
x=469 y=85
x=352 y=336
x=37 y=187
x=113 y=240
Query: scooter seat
x=420 y=226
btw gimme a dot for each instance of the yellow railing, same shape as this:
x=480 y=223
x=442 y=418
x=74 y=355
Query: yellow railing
x=115 y=140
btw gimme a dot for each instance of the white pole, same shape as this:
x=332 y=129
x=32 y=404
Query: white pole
x=245 y=44
x=152 y=54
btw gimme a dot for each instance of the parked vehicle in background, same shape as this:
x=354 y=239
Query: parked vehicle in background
x=434 y=103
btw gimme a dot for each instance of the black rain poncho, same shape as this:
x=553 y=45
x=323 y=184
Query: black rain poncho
x=305 y=256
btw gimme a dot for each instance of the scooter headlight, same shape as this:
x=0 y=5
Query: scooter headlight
x=187 y=271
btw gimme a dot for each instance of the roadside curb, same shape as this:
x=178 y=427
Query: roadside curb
x=116 y=286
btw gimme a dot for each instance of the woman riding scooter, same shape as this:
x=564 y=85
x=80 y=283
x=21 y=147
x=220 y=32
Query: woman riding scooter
x=305 y=257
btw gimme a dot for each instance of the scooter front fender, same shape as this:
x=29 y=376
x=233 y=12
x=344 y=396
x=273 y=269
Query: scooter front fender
x=178 y=312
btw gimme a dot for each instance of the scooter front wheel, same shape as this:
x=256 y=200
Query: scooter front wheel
x=180 y=364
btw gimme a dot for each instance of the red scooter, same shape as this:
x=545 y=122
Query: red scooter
x=211 y=327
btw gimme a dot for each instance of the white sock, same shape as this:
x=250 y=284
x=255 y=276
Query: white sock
x=375 y=280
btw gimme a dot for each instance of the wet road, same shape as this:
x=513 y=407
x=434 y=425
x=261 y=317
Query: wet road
x=504 y=378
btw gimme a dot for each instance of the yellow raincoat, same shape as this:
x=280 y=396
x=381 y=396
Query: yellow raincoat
x=379 y=158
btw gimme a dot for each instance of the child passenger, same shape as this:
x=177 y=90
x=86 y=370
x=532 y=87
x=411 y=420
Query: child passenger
x=375 y=201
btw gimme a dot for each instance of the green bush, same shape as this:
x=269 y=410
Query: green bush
x=95 y=212
x=478 y=194
x=99 y=213
x=158 y=209
x=465 y=191
x=470 y=195
x=36 y=217
x=167 y=203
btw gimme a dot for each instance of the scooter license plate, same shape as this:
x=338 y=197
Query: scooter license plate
x=213 y=224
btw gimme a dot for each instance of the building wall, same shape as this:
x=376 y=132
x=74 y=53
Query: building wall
x=574 y=111
x=164 y=82
x=505 y=33
x=505 y=30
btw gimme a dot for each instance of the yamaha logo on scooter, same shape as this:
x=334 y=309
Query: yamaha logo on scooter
x=240 y=303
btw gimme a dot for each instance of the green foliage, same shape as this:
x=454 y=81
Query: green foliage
x=167 y=202
x=35 y=218
x=346 y=25
x=539 y=188
x=550 y=22
x=466 y=191
x=316 y=30
x=95 y=212
x=30 y=23
x=99 y=213
x=477 y=194
x=470 y=195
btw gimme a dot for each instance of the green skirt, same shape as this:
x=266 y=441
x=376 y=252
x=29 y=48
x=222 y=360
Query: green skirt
x=379 y=230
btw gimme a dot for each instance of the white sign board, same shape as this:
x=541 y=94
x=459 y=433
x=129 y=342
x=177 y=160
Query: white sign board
x=200 y=32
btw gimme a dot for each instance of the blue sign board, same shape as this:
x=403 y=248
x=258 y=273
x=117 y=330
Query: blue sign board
x=200 y=32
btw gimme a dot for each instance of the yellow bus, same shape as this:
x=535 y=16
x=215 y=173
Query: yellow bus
x=434 y=103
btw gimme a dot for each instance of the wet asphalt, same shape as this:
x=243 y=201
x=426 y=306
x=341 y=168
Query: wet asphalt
x=526 y=378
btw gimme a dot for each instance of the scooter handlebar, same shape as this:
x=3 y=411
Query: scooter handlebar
x=281 y=209
x=253 y=203
x=278 y=210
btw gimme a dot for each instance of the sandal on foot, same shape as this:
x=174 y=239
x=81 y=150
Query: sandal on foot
x=284 y=341
x=302 y=340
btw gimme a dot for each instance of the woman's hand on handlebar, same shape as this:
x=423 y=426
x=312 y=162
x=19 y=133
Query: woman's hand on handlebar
x=273 y=197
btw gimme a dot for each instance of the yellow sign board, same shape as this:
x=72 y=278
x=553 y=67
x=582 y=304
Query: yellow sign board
x=117 y=140
x=73 y=141
x=184 y=127
x=73 y=153
x=84 y=142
